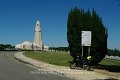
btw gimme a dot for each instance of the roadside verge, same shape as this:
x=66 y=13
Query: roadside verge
x=66 y=71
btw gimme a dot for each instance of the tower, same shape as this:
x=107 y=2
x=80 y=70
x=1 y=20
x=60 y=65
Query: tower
x=38 y=39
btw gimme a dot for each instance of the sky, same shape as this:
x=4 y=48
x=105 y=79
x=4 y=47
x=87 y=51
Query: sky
x=18 y=19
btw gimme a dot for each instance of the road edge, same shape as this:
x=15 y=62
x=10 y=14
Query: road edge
x=22 y=58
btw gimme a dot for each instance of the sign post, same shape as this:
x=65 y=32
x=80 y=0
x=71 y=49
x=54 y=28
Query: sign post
x=86 y=40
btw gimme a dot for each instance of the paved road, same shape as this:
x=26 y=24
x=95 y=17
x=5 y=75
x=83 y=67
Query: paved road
x=11 y=69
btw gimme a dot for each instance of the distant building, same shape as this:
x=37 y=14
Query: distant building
x=37 y=44
x=117 y=58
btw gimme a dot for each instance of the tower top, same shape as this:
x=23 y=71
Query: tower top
x=38 y=23
x=37 y=28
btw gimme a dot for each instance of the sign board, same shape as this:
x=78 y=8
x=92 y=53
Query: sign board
x=86 y=38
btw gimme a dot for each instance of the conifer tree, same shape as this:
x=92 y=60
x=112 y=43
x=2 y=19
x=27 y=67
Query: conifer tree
x=79 y=20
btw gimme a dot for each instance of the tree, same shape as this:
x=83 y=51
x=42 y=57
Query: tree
x=79 y=20
x=6 y=46
x=73 y=25
x=114 y=52
x=2 y=47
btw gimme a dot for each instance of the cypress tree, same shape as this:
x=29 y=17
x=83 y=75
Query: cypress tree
x=73 y=25
x=79 y=20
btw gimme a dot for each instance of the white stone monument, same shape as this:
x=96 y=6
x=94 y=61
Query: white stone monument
x=38 y=39
x=37 y=44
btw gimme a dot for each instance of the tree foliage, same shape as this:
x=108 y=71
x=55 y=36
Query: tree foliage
x=80 y=20
x=59 y=48
x=114 y=52
x=6 y=46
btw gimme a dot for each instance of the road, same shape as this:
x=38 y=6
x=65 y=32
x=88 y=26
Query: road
x=11 y=69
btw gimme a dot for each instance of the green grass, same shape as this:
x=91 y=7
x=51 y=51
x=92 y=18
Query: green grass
x=110 y=65
x=109 y=62
x=62 y=59
x=56 y=58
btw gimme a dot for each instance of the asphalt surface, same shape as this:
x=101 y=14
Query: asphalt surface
x=12 y=69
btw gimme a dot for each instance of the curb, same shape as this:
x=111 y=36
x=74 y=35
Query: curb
x=24 y=61
x=21 y=60
x=27 y=62
x=62 y=71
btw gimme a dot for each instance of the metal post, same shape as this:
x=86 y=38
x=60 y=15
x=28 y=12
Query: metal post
x=82 y=53
x=89 y=51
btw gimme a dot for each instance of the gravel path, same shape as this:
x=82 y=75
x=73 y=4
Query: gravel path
x=66 y=71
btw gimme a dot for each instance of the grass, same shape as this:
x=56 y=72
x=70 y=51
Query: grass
x=56 y=58
x=110 y=65
x=62 y=59
x=109 y=62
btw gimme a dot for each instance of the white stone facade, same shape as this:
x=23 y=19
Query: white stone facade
x=37 y=44
x=113 y=58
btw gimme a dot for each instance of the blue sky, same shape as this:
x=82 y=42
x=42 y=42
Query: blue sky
x=18 y=19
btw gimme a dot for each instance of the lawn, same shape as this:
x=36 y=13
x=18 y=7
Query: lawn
x=110 y=65
x=56 y=58
x=109 y=62
x=62 y=59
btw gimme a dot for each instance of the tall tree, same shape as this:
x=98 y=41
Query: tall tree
x=79 y=20
x=73 y=26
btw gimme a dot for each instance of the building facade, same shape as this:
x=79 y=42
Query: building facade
x=37 y=44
